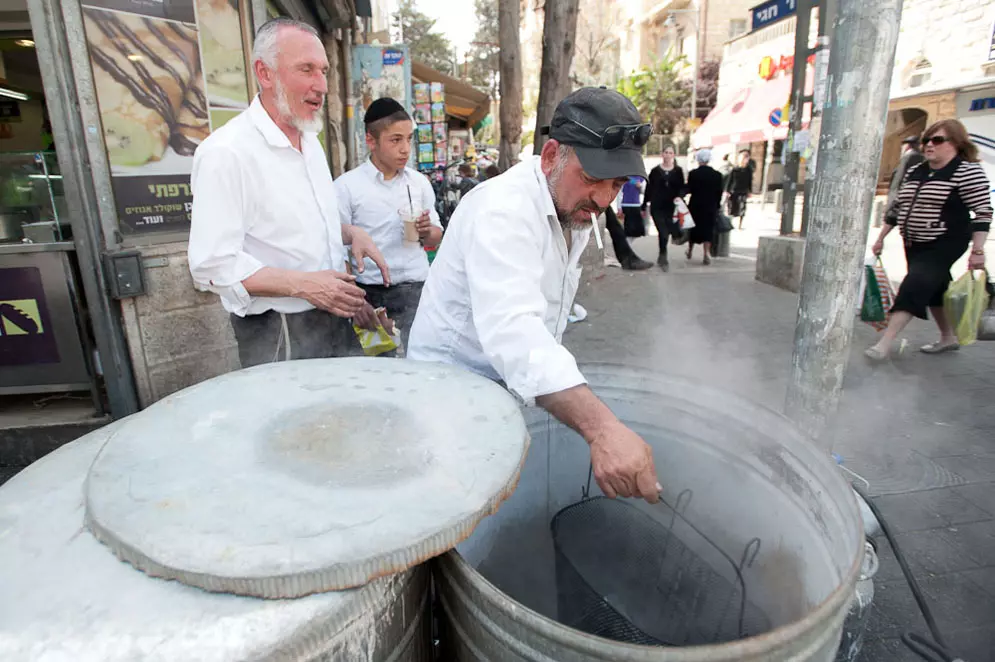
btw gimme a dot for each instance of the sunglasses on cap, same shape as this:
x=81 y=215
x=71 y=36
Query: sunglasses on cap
x=618 y=134
x=936 y=140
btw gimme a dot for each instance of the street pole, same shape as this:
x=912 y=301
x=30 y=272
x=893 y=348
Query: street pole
x=697 y=56
x=803 y=20
x=827 y=14
x=864 y=37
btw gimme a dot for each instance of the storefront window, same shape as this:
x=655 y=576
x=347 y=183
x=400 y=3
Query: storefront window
x=30 y=197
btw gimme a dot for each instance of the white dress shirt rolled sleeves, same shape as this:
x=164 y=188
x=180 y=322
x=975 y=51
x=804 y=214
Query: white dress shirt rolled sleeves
x=501 y=288
x=369 y=201
x=258 y=202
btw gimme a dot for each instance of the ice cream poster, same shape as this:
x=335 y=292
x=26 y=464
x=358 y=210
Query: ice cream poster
x=162 y=73
x=377 y=71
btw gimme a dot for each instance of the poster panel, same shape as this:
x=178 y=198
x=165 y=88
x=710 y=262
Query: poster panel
x=164 y=74
x=378 y=71
x=26 y=333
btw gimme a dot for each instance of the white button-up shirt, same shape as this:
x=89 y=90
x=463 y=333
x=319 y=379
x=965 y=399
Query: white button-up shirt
x=501 y=287
x=258 y=202
x=370 y=202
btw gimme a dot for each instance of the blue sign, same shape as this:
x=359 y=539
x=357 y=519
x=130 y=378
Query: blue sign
x=771 y=12
x=775 y=117
x=982 y=104
x=391 y=56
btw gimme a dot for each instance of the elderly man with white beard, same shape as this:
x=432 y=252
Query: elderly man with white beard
x=265 y=233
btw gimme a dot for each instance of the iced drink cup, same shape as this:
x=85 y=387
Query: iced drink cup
x=410 y=225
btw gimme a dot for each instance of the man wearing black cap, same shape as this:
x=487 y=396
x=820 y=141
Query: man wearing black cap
x=503 y=282
x=378 y=197
x=911 y=157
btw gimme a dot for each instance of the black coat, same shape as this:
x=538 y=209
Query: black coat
x=705 y=189
x=661 y=189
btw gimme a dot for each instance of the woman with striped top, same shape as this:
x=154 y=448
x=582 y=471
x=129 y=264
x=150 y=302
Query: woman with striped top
x=934 y=211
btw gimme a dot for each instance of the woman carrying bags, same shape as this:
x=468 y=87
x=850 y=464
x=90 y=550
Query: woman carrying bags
x=933 y=210
x=666 y=184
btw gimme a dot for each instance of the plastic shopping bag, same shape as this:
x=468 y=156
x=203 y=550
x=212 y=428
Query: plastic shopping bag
x=964 y=302
x=878 y=296
x=682 y=217
x=379 y=340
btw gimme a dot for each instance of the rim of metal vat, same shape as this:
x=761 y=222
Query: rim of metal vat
x=804 y=632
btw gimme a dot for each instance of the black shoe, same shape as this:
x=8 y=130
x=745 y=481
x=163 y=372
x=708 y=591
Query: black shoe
x=634 y=263
x=663 y=263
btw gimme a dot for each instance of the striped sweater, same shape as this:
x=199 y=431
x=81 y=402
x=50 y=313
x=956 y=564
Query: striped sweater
x=936 y=203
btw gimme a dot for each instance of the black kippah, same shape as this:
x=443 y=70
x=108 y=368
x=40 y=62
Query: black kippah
x=381 y=108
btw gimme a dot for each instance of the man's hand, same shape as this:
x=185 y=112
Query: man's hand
x=331 y=291
x=363 y=247
x=424 y=225
x=366 y=318
x=623 y=464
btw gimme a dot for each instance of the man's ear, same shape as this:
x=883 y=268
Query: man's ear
x=548 y=155
x=264 y=75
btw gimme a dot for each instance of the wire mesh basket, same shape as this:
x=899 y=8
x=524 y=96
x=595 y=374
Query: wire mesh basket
x=624 y=575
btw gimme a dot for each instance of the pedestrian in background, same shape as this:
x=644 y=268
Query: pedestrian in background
x=631 y=207
x=705 y=189
x=933 y=210
x=738 y=186
x=911 y=157
x=666 y=183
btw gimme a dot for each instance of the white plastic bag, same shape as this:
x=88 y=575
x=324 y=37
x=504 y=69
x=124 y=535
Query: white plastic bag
x=682 y=217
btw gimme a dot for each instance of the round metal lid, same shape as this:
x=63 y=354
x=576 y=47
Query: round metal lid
x=305 y=476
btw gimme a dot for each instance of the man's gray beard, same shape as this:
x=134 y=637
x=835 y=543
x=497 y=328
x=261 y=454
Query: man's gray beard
x=283 y=107
x=566 y=223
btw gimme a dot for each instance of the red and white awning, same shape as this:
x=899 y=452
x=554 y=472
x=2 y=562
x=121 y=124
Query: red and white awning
x=745 y=118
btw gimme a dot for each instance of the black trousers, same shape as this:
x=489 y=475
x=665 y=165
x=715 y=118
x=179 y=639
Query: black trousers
x=313 y=334
x=664 y=222
x=400 y=300
x=619 y=243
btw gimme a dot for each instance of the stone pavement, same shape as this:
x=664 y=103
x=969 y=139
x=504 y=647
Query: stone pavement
x=920 y=429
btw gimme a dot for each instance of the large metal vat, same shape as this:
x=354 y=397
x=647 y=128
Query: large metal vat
x=744 y=473
x=67 y=597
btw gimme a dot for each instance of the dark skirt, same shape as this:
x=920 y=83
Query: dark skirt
x=633 y=222
x=737 y=204
x=703 y=231
x=929 y=274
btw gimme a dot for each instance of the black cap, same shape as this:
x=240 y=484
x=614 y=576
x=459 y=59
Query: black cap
x=598 y=108
x=911 y=140
x=381 y=108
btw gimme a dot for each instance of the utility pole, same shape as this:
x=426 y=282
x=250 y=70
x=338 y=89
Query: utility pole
x=864 y=37
x=827 y=14
x=803 y=17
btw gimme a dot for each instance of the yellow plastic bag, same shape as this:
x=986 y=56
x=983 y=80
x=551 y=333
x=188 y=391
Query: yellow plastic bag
x=378 y=341
x=964 y=302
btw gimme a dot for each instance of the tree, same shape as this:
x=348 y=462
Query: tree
x=708 y=87
x=510 y=60
x=424 y=43
x=559 y=30
x=597 y=55
x=482 y=60
x=661 y=97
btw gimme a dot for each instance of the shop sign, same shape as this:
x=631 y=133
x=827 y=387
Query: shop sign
x=982 y=104
x=26 y=334
x=770 y=67
x=166 y=74
x=771 y=12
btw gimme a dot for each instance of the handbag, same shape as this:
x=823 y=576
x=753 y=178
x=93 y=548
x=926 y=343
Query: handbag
x=878 y=296
x=723 y=223
x=986 y=328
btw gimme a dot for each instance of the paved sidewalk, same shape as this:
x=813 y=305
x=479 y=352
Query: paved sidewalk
x=921 y=428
